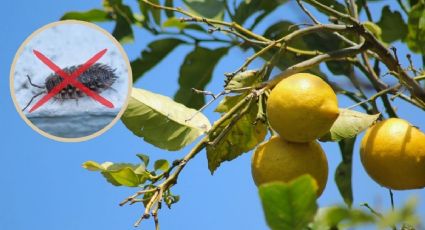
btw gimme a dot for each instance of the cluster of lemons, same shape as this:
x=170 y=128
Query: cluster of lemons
x=301 y=109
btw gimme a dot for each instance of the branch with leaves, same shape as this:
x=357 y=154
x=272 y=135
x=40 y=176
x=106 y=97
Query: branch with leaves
x=346 y=46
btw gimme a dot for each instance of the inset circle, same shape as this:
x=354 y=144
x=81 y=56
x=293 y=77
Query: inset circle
x=70 y=80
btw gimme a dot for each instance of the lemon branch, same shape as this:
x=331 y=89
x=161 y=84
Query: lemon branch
x=307 y=64
x=170 y=177
x=376 y=46
x=234 y=28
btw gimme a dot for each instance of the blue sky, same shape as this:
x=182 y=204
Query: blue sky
x=44 y=186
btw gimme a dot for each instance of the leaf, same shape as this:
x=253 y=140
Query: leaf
x=228 y=102
x=344 y=170
x=348 y=124
x=213 y=9
x=246 y=9
x=243 y=79
x=124 y=18
x=405 y=215
x=163 y=122
x=150 y=12
x=373 y=28
x=331 y=3
x=177 y=23
x=144 y=158
x=392 y=24
x=337 y=217
x=153 y=55
x=169 y=13
x=119 y=174
x=242 y=137
x=92 y=166
x=288 y=59
x=123 y=31
x=327 y=42
x=125 y=176
x=195 y=72
x=289 y=206
x=172 y=199
x=161 y=165
x=416 y=28
x=94 y=15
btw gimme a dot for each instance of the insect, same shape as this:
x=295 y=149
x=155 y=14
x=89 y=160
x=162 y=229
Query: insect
x=98 y=78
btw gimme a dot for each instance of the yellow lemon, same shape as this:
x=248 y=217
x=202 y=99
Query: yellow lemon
x=393 y=154
x=302 y=108
x=280 y=160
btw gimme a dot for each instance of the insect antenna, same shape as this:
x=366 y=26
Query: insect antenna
x=33 y=97
x=37 y=86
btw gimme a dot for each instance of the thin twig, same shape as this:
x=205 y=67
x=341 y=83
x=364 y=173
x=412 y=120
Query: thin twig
x=372 y=210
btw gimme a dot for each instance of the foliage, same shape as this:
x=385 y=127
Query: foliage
x=347 y=46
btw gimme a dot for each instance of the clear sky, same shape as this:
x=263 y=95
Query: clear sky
x=44 y=187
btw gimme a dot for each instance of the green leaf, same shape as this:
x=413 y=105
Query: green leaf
x=228 y=102
x=93 y=166
x=373 y=28
x=213 y=9
x=94 y=15
x=163 y=122
x=195 y=72
x=289 y=206
x=124 y=176
x=246 y=9
x=169 y=13
x=337 y=217
x=331 y=3
x=405 y=215
x=288 y=59
x=144 y=158
x=123 y=31
x=242 y=137
x=177 y=23
x=153 y=55
x=344 y=170
x=392 y=24
x=416 y=28
x=174 y=22
x=172 y=199
x=243 y=79
x=124 y=18
x=119 y=174
x=161 y=165
x=150 y=12
x=348 y=124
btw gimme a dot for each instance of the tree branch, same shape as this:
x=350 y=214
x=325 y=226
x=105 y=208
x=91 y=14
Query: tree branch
x=307 y=64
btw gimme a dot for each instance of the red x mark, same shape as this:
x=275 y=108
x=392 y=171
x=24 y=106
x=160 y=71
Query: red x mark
x=70 y=80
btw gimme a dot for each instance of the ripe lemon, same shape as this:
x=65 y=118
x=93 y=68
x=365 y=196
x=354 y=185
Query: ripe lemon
x=393 y=154
x=280 y=160
x=302 y=108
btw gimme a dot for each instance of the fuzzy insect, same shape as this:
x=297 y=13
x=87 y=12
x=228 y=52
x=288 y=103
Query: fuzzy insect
x=98 y=78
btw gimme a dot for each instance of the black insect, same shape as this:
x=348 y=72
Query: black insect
x=98 y=78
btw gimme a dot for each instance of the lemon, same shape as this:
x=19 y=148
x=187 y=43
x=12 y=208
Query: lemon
x=393 y=154
x=302 y=108
x=280 y=160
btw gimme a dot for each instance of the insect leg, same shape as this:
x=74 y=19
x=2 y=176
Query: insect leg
x=37 y=86
x=33 y=97
x=112 y=88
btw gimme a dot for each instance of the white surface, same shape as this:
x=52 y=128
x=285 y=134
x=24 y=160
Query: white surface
x=67 y=45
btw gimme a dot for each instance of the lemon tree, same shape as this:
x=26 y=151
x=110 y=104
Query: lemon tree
x=280 y=103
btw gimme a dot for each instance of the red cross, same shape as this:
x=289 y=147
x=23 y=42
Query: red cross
x=70 y=79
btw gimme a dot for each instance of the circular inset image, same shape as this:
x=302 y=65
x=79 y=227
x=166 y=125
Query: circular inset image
x=70 y=80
